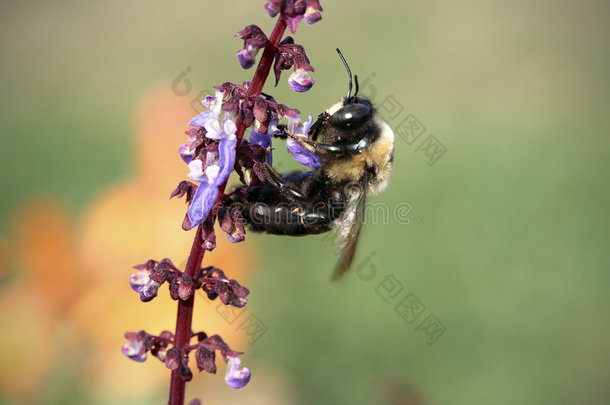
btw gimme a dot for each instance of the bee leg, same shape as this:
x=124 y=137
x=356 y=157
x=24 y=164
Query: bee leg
x=275 y=179
x=283 y=132
x=315 y=128
x=312 y=145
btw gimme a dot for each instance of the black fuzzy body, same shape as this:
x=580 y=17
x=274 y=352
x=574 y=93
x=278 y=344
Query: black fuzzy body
x=266 y=208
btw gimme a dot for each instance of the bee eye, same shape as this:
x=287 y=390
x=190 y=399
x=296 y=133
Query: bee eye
x=351 y=115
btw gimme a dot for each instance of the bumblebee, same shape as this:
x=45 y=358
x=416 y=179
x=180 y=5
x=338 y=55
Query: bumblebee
x=355 y=151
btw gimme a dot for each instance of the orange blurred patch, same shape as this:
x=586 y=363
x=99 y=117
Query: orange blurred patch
x=34 y=304
x=6 y=258
x=25 y=344
x=47 y=253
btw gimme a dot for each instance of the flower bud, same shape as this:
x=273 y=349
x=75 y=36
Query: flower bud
x=149 y=291
x=173 y=359
x=206 y=360
x=254 y=39
x=299 y=81
x=236 y=377
x=245 y=58
x=134 y=350
x=185 y=288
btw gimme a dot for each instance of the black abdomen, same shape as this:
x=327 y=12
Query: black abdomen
x=268 y=209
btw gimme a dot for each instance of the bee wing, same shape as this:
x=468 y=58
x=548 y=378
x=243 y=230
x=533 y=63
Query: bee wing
x=349 y=230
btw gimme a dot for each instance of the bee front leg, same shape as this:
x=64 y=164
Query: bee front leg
x=315 y=128
x=272 y=177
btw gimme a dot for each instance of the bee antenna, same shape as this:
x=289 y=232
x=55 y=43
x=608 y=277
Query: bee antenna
x=349 y=73
x=357 y=87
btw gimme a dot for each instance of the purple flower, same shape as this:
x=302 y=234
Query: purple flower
x=246 y=58
x=141 y=283
x=299 y=152
x=236 y=377
x=202 y=203
x=212 y=114
x=296 y=127
x=139 y=279
x=196 y=170
x=272 y=8
x=186 y=153
x=294 y=10
x=215 y=284
x=312 y=14
x=264 y=140
x=299 y=81
x=134 y=349
x=254 y=39
x=149 y=291
x=215 y=173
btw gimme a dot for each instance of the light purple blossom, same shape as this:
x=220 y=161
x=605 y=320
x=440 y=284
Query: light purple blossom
x=313 y=15
x=264 y=140
x=296 y=127
x=301 y=154
x=186 y=153
x=272 y=9
x=202 y=203
x=134 y=349
x=236 y=377
x=214 y=174
x=295 y=11
x=245 y=58
x=139 y=279
x=299 y=81
x=141 y=283
x=196 y=170
x=254 y=39
x=256 y=138
x=149 y=291
x=218 y=165
x=214 y=106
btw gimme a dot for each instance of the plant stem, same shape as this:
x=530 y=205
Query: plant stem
x=264 y=66
x=184 y=318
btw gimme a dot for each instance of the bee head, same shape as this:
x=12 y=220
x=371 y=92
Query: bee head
x=352 y=113
x=348 y=126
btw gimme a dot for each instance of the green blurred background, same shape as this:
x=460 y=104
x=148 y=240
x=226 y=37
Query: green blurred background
x=508 y=233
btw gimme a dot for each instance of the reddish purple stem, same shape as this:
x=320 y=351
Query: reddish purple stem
x=185 y=308
x=184 y=319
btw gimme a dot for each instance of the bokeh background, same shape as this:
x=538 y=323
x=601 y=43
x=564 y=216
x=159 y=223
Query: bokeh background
x=503 y=241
